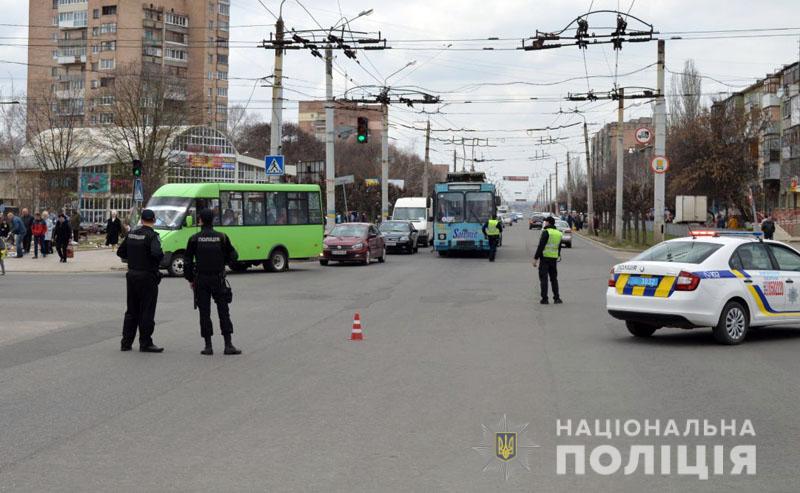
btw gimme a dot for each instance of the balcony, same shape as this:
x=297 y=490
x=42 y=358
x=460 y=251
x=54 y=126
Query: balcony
x=771 y=171
x=70 y=59
x=69 y=94
x=73 y=23
x=768 y=100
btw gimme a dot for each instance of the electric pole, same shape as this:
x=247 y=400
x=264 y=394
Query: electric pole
x=385 y=163
x=275 y=138
x=427 y=159
x=620 y=163
x=660 y=148
x=589 y=179
x=569 y=187
x=555 y=197
x=330 y=164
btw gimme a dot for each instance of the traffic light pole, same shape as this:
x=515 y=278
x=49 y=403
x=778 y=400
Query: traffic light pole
x=589 y=179
x=425 y=185
x=330 y=164
x=275 y=138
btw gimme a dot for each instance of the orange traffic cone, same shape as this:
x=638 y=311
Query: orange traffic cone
x=356 y=335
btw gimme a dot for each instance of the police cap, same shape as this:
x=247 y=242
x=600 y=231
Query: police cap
x=148 y=215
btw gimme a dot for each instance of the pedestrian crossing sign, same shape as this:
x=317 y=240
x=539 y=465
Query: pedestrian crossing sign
x=274 y=165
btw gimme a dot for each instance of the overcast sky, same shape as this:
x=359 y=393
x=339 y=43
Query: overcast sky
x=456 y=74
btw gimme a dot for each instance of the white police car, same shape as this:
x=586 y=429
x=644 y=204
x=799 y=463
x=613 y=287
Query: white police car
x=723 y=280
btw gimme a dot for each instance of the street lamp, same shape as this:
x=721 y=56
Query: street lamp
x=398 y=71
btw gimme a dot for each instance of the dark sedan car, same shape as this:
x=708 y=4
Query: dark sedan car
x=400 y=235
x=536 y=221
x=353 y=242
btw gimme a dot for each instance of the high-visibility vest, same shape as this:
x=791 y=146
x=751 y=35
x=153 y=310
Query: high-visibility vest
x=553 y=242
x=492 y=229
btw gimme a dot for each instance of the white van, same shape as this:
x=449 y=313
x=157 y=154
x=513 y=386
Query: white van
x=416 y=210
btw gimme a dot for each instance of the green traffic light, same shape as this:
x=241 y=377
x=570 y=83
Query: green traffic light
x=362 y=138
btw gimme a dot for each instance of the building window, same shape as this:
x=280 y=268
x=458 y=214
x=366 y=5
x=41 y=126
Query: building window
x=222 y=59
x=107 y=64
x=109 y=10
x=106 y=118
x=95 y=84
x=222 y=75
x=177 y=20
x=108 y=28
x=108 y=46
x=211 y=76
x=107 y=82
x=222 y=43
x=54 y=71
x=223 y=25
x=210 y=92
x=94 y=66
x=222 y=108
x=174 y=54
x=105 y=100
x=210 y=59
x=151 y=51
x=96 y=14
x=96 y=31
x=222 y=92
x=224 y=9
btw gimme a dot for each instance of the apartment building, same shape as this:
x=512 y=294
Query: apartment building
x=75 y=47
x=604 y=143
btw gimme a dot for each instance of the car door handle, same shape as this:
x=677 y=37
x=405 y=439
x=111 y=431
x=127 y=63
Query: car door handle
x=748 y=281
x=789 y=281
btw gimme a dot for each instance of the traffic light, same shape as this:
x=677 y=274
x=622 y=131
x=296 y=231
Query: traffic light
x=362 y=136
x=137 y=168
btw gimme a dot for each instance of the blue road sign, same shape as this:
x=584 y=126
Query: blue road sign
x=274 y=165
x=138 y=190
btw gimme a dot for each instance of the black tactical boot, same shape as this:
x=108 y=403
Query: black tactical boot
x=209 y=350
x=229 y=347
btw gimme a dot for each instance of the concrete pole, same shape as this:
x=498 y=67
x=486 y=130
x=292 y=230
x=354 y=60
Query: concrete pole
x=330 y=164
x=569 y=187
x=427 y=163
x=589 y=180
x=455 y=161
x=555 y=189
x=620 y=163
x=275 y=147
x=385 y=164
x=660 y=145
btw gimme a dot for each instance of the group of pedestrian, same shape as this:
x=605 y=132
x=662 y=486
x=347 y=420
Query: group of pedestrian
x=352 y=217
x=39 y=229
x=207 y=254
x=575 y=219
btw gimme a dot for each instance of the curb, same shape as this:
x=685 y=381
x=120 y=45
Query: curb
x=607 y=247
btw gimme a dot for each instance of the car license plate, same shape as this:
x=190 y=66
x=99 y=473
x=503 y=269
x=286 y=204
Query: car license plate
x=648 y=282
x=339 y=252
x=391 y=243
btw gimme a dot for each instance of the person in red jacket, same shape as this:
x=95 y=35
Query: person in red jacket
x=38 y=229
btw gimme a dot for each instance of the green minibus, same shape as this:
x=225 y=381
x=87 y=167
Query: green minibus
x=268 y=224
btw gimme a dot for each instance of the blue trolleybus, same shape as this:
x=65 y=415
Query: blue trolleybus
x=461 y=206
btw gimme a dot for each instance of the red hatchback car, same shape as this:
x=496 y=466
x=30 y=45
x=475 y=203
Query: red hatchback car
x=353 y=242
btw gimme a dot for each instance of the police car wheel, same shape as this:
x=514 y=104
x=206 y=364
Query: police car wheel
x=638 y=329
x=733 y=324
x=175 y=267
x=382 y=258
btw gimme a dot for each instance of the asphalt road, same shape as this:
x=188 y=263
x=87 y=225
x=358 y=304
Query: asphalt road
x=451 y=344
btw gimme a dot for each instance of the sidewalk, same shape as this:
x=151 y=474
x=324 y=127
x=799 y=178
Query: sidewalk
x=100 y=260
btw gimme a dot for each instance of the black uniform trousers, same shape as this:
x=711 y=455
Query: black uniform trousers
x=142 y=298
x=548 y=267
x=61 y=248
x=493 y=241
x=208 y=286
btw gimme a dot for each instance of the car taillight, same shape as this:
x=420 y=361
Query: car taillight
x=612 y=283
x=687 y=281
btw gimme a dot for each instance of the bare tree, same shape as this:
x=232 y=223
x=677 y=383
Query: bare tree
x=149 y=110
x=239 y=120
x=685 y=94
x=12 y=135
x=56 y=142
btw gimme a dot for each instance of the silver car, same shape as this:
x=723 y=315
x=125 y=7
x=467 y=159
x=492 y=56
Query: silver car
x=566 y=232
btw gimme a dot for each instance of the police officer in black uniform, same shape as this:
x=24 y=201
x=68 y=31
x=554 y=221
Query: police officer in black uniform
x=142 y=249
x=207 y=253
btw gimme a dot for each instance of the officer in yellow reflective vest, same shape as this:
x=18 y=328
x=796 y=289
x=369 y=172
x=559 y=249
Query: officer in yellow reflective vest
x=492 y=229
x=546 y=258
